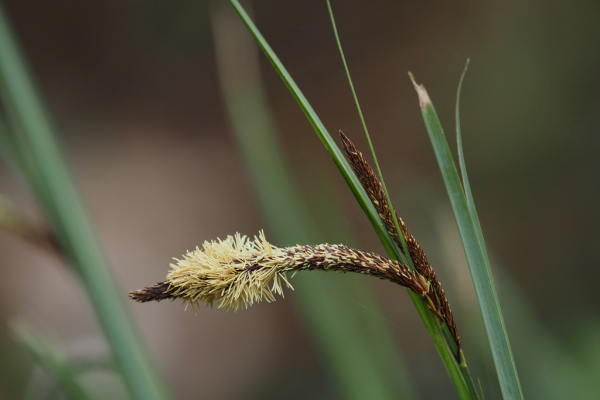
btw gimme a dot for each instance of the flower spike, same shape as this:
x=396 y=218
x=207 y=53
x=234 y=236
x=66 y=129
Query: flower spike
x=238 y=271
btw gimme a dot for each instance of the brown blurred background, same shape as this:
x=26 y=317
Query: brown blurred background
x=134 y=91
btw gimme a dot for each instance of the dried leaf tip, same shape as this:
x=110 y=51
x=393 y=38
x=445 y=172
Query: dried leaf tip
x=424 y=99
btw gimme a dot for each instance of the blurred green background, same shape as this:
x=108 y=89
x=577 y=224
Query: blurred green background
x=133 y=87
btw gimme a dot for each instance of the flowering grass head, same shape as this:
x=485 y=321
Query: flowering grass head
x=238 y=271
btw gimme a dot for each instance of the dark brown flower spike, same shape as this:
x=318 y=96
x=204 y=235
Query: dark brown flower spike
x=370 y=182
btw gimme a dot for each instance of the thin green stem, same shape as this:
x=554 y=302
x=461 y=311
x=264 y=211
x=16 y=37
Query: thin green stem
x=463 y=169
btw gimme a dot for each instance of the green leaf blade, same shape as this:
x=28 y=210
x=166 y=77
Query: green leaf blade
x=480 y=271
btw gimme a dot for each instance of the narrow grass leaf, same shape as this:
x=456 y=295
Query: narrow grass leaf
x=463 y=170
x=480 y=271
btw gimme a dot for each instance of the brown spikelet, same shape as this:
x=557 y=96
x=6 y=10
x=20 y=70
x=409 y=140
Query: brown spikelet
x=424 y=267
x=370 y=182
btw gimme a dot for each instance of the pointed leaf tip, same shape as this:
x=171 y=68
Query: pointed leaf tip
x=424 y=99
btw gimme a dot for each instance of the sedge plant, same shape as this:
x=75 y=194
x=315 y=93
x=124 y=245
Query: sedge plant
x=237 y=271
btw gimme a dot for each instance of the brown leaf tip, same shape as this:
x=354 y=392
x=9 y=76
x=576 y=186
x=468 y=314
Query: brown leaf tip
x=424 y=99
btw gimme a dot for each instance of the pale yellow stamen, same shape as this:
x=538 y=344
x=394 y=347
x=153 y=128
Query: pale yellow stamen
x=228 y=271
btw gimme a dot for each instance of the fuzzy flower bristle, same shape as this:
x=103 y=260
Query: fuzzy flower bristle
x=226 y=271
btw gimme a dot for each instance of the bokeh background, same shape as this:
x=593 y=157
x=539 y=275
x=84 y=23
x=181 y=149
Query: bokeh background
x=134 y=90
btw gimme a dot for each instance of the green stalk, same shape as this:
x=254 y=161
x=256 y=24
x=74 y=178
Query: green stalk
x=481 y=273
x=59 y=197
x=427 y=316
